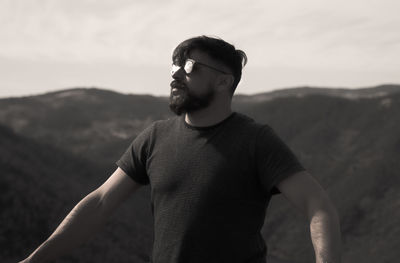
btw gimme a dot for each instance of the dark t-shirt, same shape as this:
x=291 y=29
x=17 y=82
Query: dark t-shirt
x=210 y=186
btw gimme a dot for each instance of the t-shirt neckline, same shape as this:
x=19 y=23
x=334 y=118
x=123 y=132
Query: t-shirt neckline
x=205 y=128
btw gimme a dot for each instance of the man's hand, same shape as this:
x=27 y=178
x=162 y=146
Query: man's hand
x=305 y=193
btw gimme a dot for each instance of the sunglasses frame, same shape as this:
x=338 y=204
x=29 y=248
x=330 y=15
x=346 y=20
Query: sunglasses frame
x=189 y=69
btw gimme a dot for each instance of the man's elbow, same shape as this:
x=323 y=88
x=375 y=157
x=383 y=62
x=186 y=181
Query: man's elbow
x=323 y=207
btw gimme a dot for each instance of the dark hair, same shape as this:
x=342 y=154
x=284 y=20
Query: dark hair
x=217 y=49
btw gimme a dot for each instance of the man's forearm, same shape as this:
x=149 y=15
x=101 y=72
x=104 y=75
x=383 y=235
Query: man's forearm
x=81 y=223
x=325 y=235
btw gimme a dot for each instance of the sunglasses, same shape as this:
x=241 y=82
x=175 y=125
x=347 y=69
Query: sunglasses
x=189 y=65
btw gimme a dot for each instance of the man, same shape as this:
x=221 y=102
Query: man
x=212 y=173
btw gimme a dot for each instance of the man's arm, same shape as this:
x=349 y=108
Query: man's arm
x=305 y=193
x=86 y=218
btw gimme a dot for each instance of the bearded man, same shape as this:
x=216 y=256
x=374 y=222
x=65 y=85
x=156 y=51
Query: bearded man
x=212 y=173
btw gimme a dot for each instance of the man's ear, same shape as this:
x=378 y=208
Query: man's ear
x=225 y=82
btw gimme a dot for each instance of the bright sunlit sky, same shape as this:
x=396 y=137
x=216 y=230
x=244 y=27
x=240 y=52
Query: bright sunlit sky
x=126 y=45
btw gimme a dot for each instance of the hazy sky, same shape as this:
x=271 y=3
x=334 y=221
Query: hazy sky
x=126 y=46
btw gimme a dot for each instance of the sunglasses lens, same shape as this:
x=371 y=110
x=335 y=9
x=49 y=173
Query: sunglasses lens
x=188 y=66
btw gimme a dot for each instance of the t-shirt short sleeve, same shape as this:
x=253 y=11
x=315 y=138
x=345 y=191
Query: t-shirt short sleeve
x=275 y=160
x=133 y=161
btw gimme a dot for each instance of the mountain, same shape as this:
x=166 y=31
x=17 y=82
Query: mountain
x=99 y=123
x=348 y=139
x=90 y=122
x=378 y=91
x=40 y=184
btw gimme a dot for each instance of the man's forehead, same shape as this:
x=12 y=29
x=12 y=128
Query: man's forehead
x=195 y=54
x=199 y=55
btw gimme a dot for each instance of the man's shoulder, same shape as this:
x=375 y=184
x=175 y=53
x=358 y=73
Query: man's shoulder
x=157 y=127
x=161 y=125
x=166 y=123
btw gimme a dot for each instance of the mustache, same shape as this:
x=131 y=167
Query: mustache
x=175 y=84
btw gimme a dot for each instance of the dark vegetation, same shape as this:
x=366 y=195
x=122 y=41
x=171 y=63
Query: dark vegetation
x=57 y=147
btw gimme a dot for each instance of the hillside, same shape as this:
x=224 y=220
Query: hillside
x=39 y=185
x=90 y=122
x=351 y=144
x=360 y=93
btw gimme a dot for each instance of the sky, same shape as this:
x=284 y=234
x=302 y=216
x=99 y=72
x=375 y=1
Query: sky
x=126 y=45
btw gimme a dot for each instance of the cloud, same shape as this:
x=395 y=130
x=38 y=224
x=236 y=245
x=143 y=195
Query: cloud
x=308 y=34
x=146 y=31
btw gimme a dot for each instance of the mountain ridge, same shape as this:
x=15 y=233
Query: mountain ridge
x=350 y=93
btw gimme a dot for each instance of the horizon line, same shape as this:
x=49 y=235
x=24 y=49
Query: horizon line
x=236 y=94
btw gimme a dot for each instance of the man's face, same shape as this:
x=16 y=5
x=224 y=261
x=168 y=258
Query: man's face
x=196 y=90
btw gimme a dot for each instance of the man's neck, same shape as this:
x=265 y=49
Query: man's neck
x=207 y=117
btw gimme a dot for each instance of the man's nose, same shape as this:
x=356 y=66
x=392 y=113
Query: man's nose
x=179 y=73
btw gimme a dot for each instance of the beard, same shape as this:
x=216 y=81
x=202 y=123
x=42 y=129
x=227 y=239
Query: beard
x=184 y=101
